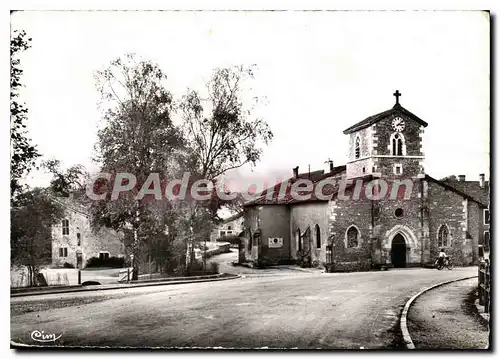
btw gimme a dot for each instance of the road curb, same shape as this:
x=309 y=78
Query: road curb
x=123 y=286
x=404 y=315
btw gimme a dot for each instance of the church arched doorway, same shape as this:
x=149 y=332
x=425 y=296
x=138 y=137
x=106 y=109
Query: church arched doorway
x=398 y=251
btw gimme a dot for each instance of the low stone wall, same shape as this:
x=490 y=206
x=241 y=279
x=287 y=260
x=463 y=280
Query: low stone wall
x=222 y=248
x=354 y=266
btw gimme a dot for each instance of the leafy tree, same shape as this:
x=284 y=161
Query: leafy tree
x=73 y=179
x=218 y=128
x=23 y=153
x=451 y=178
x=138 y=137
x=31 y=237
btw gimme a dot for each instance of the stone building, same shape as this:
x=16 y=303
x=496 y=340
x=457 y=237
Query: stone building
x=380 y=209
x=74 y=242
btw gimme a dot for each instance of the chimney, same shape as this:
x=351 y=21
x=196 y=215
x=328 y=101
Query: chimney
x=328 y=166
x=481 y=180
x=461 y=178
x=296 y=172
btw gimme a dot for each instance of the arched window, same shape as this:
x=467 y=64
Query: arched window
x=357 y=150
x=318 y=236
x=397 y=144
x=352 y=237
x=298 y=239
x=443 y=236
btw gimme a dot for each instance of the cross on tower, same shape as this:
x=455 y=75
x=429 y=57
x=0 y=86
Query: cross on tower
x=397 y=94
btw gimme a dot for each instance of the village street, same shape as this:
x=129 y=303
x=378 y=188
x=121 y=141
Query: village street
x=299 y=310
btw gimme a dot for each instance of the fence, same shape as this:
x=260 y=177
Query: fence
x=484 y=284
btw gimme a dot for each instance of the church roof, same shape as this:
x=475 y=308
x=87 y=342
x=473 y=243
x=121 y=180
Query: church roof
x=397 y=109
x=315 y=177
x=473 y=189
x=473 y=194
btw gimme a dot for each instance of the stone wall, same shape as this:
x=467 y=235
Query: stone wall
x=342 y=215
x=91 y=244
x=387 y=224
x=413 y=134
x=450 y=209
x=362 y=165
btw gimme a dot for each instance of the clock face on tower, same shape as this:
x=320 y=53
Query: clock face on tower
x=398 y=124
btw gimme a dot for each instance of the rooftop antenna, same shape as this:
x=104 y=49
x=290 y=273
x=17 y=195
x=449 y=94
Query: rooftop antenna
x=309 y=171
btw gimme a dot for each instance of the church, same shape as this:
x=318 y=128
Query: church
x=348 y=232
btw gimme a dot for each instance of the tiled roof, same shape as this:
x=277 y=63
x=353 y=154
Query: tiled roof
x=473 y=189
x=466 y=191
x=397 y=109
x=287 y=198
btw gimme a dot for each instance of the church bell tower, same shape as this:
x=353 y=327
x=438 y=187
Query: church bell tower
x=388 y=144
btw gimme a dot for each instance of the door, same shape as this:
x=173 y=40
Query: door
x=398 y=251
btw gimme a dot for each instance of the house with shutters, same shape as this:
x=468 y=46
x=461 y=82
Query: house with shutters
x=379 y=209
x=74 y=242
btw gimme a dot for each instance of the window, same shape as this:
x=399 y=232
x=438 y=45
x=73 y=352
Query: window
x=398 y=169
x=357 y=150
x=78 y=239
x=229 y=233
x=486 y=244
x=63 y=252
x=443 y=236
x=318 y=236
x=373 y=169
x=298 y=239
x=398 y=212
x=352 y=237
x=364 y=169
x=486 y=213
x=229 y=228
x=397 y=144
x=103 y=256
x=222 y=233
x=65 y=227
x=486 y=238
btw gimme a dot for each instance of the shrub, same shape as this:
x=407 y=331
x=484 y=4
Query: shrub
x=213 y=268
x=68 y=265
x=195 y=268
x=113 y=262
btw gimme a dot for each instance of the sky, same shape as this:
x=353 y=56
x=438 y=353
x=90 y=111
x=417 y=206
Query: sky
x=319 y=73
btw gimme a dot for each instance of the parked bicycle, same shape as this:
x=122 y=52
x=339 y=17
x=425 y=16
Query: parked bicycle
x=445 y=263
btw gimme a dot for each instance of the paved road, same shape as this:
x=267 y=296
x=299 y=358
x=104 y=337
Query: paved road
x=306 y=310
x=446 y=318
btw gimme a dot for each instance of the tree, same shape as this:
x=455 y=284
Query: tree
x=64 y=182
x=138 y=137
x=31 y=237
x=218 y=128
x=451 y=178
x=219 y=132
x=23 y=153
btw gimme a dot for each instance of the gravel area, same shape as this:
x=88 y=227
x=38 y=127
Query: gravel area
x=446 y=318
